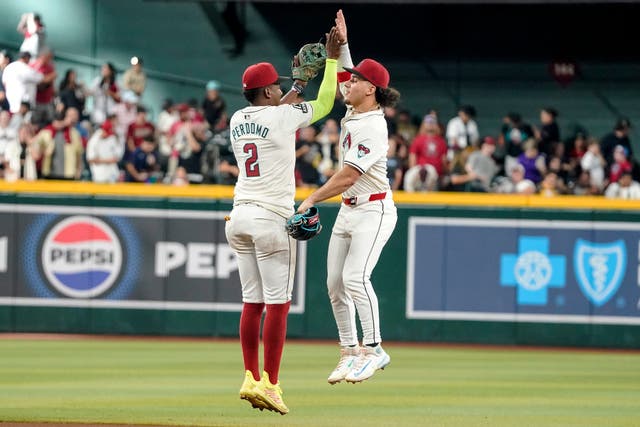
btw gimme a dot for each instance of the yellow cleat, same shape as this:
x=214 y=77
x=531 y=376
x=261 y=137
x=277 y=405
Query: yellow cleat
x=250 y=391
x=271 y=394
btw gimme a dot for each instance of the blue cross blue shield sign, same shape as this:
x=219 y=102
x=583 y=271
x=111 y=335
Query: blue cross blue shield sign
x=599 y=268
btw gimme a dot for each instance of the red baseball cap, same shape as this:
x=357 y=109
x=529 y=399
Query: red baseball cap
x=260 y=75
x=372 y=71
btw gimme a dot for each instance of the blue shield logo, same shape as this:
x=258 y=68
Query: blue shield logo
x=599 y=268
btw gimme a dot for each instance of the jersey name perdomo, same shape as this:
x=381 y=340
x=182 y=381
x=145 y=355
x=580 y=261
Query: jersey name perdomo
x=249 y=128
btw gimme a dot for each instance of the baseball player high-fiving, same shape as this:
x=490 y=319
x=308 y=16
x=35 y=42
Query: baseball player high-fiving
x=263 y=140
x=367 y=216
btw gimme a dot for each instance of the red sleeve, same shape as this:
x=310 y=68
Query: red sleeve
x=443 y=145
x=174 y=128
x=416 y=145
x=131 y=131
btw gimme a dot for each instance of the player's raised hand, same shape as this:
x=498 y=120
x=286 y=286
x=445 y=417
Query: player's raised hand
x=341 y=25
x=333 y=44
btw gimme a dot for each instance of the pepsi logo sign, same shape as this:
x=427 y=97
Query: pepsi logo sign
x=81 y=257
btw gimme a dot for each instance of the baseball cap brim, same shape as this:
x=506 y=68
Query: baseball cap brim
x=356 y=72
x=281 y=80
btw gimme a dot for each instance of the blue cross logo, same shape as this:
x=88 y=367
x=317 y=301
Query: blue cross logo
x=532 y=270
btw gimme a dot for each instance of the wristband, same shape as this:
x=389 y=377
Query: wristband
x=297 y=88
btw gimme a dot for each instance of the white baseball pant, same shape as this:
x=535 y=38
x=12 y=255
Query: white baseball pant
x=266 y=254
x=358 y=237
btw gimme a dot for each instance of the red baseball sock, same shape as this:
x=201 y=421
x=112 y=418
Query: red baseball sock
x=273 y=336
x=250 y=336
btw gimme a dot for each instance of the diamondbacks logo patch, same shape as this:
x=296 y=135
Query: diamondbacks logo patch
x=346 y=142
x=362 y=151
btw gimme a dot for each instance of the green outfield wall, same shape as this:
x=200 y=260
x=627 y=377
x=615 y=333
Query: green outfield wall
x=141 y=259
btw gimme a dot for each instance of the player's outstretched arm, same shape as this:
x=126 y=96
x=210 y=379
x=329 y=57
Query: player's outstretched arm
x=294 y=96
x=337 y=184
x=344 y=60
x=323 y=104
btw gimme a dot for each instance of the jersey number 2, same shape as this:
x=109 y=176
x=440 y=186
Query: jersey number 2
x=251 y=164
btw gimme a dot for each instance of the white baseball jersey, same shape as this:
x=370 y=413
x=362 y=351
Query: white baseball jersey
x=364 y=144
x=263 y=140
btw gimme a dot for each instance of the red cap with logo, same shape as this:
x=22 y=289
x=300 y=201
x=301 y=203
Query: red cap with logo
x=372 y=71
x=260 y=75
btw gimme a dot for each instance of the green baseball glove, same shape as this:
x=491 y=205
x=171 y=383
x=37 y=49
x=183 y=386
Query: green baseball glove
x=309 y=61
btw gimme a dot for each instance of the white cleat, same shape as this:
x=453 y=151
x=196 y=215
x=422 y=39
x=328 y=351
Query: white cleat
x=371 y=359
x=348 y=358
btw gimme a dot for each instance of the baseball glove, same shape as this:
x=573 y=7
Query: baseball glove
x=310 y=60
x=304 y=226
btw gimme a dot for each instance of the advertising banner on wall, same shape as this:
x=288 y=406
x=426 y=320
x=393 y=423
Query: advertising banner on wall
x=523 y=270
x=121 y=258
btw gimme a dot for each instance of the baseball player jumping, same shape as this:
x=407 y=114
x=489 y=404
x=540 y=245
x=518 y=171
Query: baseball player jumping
x=263 y=140
x=367 y=216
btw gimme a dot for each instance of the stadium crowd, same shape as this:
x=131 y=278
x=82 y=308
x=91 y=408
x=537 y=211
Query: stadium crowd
x=50 y=131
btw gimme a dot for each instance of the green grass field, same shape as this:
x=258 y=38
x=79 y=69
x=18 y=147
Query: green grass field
x=196 y=383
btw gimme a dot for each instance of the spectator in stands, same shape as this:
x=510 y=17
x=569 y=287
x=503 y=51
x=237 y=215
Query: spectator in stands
x=214 y=107
x=405 y=127
x=561 y=170
x=329 y=138
x=20 y=81
x=390 y=115
x=72 y=93
x=533 y=162
x=548 y=135
x=620 y=163
x=190 y=154
x=22 y=116
x=140 y=129
x=308 y=157
x=177 y=137
x=429 y=147
x=19 y=157
x=60 y=147
x=420 y=179
x=481 y=164
x=594 y=163
x=135 y=79
x=5 y=59
x=106 y=94
x=514 y=133
x=459 y=179
x=142 y=165
x=127 y=111
x=195 y=113
x=228 y=170
x=583 y=185
x=619 y=136
x=104 y=151
x=625 y=188
x=577 y=151
x=550 y=185
x=8 y=136
x=32 y=28
x=73 y=116
x=181 y=177
x=45 y=93
x=515 y=183
x=394 y=165
x=462 y=130
x=167 y=117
